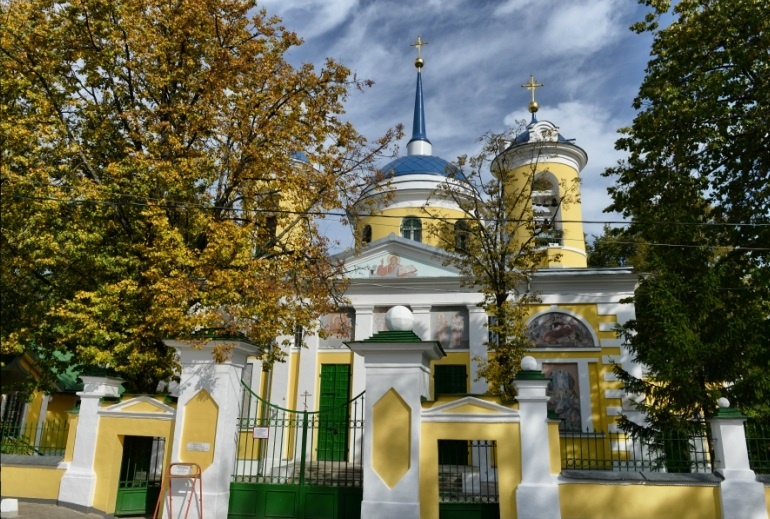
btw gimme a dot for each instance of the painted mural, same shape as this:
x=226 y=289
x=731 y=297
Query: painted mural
x=559 y=330
x=392 y=267
x=339 y=327
x=450 y=327
x=564 y=393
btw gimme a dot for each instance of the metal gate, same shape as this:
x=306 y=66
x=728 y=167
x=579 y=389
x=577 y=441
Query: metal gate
x=283 y=469
x=468 y=480
x=141 y=474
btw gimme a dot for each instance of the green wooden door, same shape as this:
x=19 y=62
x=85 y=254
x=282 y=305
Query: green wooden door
x=141 y=474
x=333 y=415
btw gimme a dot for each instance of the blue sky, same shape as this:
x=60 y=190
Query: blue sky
x=478 y=55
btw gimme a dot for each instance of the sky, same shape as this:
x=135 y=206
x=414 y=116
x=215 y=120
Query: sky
x=478 y=55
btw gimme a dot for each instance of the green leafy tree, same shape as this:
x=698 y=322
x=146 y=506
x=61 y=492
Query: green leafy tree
x=613 y=248
x=162 y=170
x=496 y=243
x=695 y=186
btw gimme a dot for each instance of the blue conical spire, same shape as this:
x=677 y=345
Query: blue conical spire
x=419 y=143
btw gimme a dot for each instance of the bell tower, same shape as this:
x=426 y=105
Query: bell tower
x=545 y=167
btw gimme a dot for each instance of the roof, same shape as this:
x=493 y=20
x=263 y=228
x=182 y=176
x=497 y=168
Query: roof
x=535 y=125
x=422 y=165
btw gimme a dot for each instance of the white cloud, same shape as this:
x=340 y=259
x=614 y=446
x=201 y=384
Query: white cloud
x=479 y=53
x=311 y=18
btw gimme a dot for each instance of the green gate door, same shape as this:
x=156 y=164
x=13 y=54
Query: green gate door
x=141 y=474
x=279 y=475
x=333 y=413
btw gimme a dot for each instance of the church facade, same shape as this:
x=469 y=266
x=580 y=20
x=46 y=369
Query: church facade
x=399 y=261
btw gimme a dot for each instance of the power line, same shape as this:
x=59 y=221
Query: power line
x=187 y=205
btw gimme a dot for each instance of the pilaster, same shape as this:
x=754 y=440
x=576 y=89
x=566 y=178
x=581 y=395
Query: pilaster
x=537 y=496
x=478 y=334
x=209 y=437
x=741 y=495
x=397 y=366
x=79 y=481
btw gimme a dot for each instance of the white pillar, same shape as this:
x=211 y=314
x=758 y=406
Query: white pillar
x=478 y=334
x=537 y=496
x=422 y=321
x=742 y=496
x=222 y=381
x=397 y=367
x=79 y=481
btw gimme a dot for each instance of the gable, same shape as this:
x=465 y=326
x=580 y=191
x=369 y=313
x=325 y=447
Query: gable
x=398 y=258
x=139 y=407
x=470 y=409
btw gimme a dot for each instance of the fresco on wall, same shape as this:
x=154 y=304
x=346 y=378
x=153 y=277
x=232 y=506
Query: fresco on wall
x=564 y=393
x=392 y=267
x=340 y=327
x=450 y=327
x=558 y=330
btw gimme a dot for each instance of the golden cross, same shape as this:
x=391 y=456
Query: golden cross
x=419 y=43
x=531 y=86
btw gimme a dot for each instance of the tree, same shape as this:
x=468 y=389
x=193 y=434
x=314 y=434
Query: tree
x=496 y=241
x=613 y=248
x=695 y=186
x=162 y=170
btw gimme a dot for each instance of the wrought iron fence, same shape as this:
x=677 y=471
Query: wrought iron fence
x=46 y=439
x=284 y=446
x=758 y=444
x=467 y=471
x=677 y=451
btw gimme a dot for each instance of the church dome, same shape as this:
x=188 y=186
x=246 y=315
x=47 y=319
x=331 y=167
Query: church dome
x=422 y=165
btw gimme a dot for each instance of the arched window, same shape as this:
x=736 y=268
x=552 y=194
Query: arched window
x=411 y=228
x=461 y=236
x=545 y=209
x=366 y=234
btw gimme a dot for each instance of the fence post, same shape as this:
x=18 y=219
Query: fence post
x=206 y=426
x=397 y=378
x=79 y=481
x=741 y=495
x=537 y=496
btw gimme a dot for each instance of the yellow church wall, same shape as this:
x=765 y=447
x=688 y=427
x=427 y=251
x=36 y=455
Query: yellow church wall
x=554 y=443
x=33 y=412
x=570 y=215
x=291 y=396
x=632 y=501
x=72 y=428
x=60 y=406
x=31 y=482
x=109 y=448
x=388 y=221
x=507 y=438
x=596 y=370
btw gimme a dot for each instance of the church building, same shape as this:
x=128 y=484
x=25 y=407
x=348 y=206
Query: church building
x=400 y=262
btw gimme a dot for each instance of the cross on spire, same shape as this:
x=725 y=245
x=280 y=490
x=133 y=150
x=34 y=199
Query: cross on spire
x=531 y=86
x=419 y=43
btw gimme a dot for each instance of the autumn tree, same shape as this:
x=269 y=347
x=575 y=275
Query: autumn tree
x=163 y=167
x=695 y=186
x=498 y=241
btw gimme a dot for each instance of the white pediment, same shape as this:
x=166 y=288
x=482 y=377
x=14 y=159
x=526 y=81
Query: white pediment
x=470 y=409
x=139 y=407
x=398 y=258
